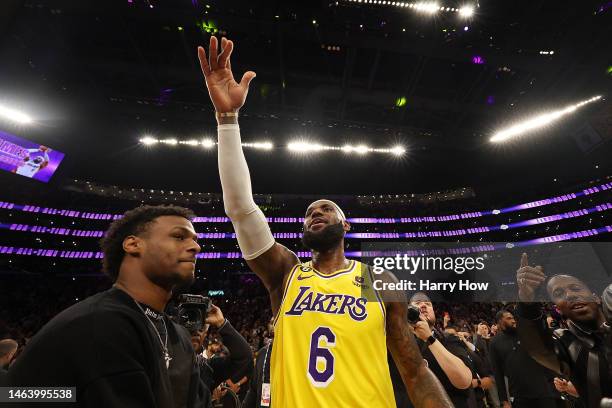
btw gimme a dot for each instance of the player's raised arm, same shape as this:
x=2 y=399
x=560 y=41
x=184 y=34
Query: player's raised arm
x=268 y=259
x=424 y=389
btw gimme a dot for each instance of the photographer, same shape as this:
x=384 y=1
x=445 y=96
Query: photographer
x=446 y=357
x=579 y=353
x=216 y=369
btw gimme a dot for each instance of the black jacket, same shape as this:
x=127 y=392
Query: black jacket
x=215 y=370
x=526 y=378
x=106 y=348
x=578 y=354
x=261 y=374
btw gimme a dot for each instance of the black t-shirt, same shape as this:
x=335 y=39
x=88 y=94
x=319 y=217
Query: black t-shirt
x=526 y=378
x=457 y=396
x=106 y=348
x=180 y=361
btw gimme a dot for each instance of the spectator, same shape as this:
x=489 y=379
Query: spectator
x=215 y=368
x=447 y=358
x=482 y=375
x=118 y=347
x=578 y=352
x=529 y=384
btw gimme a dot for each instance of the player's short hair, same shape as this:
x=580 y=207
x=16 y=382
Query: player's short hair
x=133 y=222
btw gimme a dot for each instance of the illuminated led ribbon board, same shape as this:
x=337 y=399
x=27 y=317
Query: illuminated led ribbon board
x=351 y=235
x=56 y=253
x=403 y=220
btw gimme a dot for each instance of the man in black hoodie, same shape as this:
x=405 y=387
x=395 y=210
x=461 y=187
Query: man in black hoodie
x=118 y=347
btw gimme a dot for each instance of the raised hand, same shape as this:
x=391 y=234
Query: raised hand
x=528 y=279
x=215 y=317
x=225 y=93
x=422 y=330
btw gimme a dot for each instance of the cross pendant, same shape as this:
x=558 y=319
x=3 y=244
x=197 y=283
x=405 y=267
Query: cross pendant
x=167 y=358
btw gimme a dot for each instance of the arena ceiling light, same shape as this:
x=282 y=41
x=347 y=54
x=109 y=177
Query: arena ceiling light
x=204 y=143
x=465 y=11
x=538 y=122
x=304 y=147
x=14 y=115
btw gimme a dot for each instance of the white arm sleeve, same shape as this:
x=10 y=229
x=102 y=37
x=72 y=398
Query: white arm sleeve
x=252 y=229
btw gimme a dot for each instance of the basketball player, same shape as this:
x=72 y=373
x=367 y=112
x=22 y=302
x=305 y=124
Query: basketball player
x=32 y=165
x=330 y=342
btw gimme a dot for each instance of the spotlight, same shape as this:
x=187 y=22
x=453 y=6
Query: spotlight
x=148 y=141
x=208 y=143
x=259 y=145
x=429 y=8
x=538 y=122
x=362 y=149
x=15 y=115
x=398 y=150
x=466 y=11
x=305 y=147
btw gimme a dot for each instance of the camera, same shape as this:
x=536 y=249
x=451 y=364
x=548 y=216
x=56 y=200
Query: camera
x=414 y=314
x=192 y=311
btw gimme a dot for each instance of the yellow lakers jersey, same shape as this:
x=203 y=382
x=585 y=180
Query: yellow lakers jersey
x=329 y=345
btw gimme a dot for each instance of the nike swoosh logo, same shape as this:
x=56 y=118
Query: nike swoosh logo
x=302 y=277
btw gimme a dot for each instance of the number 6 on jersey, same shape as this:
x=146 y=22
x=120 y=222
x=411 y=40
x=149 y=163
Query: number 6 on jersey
x=321 y=354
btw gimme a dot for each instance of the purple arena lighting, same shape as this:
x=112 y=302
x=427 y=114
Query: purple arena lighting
x=56 y=253
x=478 y=60
x=351 y=235
x=404 y=220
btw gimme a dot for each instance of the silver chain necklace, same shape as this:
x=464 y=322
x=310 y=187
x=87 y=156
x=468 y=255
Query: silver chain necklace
x=164 y=344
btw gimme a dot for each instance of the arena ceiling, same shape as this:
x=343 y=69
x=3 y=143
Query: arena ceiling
x=97 y=76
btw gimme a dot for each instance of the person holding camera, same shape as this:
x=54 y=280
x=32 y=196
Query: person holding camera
x=215 y=369
x=118 y=348
x=579 y=353
x=446 y=356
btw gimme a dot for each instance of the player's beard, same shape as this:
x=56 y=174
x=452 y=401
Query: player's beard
x=324 y=240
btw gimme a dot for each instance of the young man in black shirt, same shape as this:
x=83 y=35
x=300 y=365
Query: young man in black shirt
x=530 y=385
x=118 y=348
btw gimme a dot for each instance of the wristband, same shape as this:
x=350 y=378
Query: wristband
x=431 y=340
x=226 y=114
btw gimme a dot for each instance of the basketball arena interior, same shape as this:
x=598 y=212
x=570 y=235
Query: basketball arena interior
x=440 y=124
